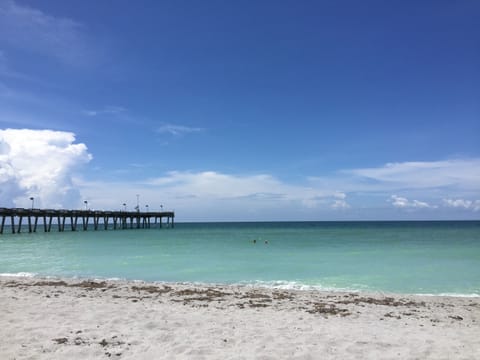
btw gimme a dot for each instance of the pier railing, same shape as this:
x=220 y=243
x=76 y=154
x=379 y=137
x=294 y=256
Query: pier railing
x=101 y=219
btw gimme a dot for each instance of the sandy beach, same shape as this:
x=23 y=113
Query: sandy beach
x=86 y=319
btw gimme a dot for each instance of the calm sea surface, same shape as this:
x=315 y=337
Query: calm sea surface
x=405 y=257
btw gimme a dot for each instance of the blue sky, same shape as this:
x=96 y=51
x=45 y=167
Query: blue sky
x=251 y=110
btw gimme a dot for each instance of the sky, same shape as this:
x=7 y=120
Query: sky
x=243 y=110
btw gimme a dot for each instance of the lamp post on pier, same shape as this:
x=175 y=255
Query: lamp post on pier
x=138 y=203
x=86 y=205
x=33 y=200
x=146 y=206
x=124 y=207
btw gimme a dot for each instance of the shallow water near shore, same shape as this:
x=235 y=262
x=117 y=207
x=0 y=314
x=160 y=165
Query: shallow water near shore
x=399 y=257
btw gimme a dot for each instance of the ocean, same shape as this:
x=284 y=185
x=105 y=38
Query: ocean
x=400 y=257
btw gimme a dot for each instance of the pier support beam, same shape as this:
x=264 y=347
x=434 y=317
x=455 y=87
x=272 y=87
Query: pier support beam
x=85 y=222
x=35 y=224
x=73 y=223
x=20 y=224
x=59 y=221
x=120 y=219
x=3 y=224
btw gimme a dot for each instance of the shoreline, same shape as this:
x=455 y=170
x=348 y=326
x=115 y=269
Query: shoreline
x=255 y=285
x=45 y=318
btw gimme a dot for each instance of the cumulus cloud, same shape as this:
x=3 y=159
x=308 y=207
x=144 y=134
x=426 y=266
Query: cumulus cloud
x=463 y=204
x=404 y=203
x=35 y=31
x=39 y=163
x=177 y=129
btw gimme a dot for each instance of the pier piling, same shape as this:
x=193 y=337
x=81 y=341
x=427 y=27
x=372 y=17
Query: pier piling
x=111 y=219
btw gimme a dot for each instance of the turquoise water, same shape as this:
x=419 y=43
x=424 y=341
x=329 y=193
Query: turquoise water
x=403 y=257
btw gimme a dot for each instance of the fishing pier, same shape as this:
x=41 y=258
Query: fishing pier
x=74 y=220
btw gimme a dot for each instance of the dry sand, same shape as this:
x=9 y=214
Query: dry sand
x=75 y=319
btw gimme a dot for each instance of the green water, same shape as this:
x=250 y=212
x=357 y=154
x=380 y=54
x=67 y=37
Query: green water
x=404 y=257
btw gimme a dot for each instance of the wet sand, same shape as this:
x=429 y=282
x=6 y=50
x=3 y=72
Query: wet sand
x=80 y=319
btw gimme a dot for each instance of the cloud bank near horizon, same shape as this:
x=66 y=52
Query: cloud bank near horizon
x=47 y=165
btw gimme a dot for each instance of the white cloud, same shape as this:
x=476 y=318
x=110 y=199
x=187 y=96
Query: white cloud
x=39 y=163
x=226 y=186
x=458 y=203
x=404 y=203
x=33 y=30
x=109 y=110
x=45 y=164
x=463 y=204
x=340 y=204
x=432 y=180
x=464 y=173
x=177 y=129
x=218 y=196
x=399 y=202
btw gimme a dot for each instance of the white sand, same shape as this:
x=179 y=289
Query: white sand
x=67 y=319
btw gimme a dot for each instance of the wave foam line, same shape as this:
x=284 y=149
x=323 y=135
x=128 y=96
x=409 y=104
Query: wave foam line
x=19 y=274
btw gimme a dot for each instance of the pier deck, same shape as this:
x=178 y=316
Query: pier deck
x=101 y=219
